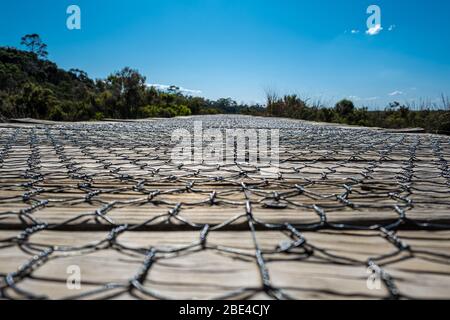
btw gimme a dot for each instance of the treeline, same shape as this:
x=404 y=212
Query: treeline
x=32 y=86
x=395 y=115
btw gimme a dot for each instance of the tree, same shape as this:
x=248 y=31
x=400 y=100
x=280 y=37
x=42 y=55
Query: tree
x=196 y=104
x=34 y=43
x=128 y=87
x=344 y=107
x=392 y=107
x=227 y=105
x=174 y=89
x=37 y=100
x=79 y=74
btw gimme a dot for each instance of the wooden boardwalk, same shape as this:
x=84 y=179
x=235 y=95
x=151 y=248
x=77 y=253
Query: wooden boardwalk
x=351 y=213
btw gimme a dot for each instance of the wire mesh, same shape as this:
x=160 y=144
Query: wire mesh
x=117 y=180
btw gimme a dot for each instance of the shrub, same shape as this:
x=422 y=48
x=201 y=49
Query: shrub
x=57 y=114
x=344 y=107
x=99 y=116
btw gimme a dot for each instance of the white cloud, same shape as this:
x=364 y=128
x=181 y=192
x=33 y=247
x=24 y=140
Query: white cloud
x=165 y=87
x=392 y=27
x=354 y=31
x=396 y=93
x=371 y=98
x=374 y=30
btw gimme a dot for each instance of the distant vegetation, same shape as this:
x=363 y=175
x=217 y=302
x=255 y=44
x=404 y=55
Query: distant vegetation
x=32 y=86
x=432 y=118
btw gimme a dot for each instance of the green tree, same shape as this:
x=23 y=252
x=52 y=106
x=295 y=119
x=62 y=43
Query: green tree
x=37 y=100
x=34 y=43
x=344 y=107
x=128 y=87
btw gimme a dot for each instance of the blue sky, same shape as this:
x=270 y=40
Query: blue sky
x=240 y=48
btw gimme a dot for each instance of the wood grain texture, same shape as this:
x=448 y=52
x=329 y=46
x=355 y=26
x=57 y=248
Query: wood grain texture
x=342 y=198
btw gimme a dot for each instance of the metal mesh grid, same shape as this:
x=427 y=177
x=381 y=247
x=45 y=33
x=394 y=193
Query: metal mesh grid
x=118 y=178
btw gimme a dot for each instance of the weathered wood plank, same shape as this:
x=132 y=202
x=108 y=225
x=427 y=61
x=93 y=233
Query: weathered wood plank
x=60 y=177
x=209 y=273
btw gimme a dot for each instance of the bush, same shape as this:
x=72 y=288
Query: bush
x=99 y=116
x=444 y=123
x=344 y=107
x=184 y=111
x=37 y=100
x=164 y=112
x=149 y=111
x=56 y=114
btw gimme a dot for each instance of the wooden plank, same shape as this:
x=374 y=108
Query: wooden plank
x=208 y=273
x=359 y=177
